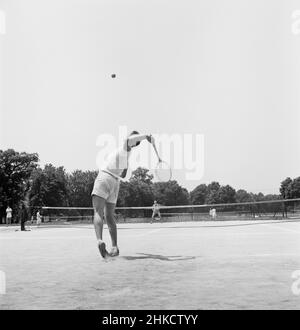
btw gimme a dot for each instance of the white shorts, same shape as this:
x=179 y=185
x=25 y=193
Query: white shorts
x=107 y=187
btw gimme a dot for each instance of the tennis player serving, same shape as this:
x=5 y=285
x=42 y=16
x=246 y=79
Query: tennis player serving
x=106 y=190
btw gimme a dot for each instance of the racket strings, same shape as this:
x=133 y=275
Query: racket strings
x=163 y=171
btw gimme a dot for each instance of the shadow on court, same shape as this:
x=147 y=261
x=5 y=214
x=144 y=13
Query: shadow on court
x=143 y=256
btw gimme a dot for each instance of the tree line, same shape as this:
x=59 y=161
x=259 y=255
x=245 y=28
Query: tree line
x=24 y=182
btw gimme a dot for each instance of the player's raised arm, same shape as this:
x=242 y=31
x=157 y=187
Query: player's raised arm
x=135 y=139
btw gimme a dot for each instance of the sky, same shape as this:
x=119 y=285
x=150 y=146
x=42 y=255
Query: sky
x=228 y=71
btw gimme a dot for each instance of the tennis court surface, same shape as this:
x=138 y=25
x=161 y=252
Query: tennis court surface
x=190 y=265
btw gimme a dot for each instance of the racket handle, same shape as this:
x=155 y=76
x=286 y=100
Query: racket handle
x=154 y=147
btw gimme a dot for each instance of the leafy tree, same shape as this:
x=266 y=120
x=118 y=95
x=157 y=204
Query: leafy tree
x=285 y=188
x=271 y=197
x=80 y=186
x=142 y=175
x=139 y=194
x=138 y=191
x=170 y=193
x=213 y=193
x=49 y=187
x=199 y=194
x=295 y=188
x=36 y=194
x=226 y=194
x=242 y=196
x=15 y=171
x=257 y=197
x=124 y=194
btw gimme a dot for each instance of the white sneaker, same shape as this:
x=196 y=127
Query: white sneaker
x=114 y=252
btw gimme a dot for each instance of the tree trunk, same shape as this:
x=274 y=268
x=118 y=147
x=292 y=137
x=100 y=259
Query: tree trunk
x=23 y=225
x=23 y=218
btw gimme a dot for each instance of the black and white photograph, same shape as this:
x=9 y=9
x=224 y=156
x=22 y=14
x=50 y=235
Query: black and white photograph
x=149 y=157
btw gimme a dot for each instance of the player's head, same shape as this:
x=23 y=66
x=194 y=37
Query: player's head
x=135 y=133
x=155 y=202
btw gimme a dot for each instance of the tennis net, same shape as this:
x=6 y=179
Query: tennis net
x=268 y=210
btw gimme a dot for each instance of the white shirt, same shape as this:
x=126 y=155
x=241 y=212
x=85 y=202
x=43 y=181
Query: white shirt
x=117 y=162
x=9 y=212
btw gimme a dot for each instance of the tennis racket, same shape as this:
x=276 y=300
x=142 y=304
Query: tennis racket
x=163 y=171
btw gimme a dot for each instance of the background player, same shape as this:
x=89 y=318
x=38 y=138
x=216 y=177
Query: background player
x=8 y=215
x=38 y=218
x=156 y=212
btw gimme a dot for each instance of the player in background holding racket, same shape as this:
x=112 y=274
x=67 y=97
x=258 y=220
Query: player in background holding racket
x=8 y=215
x=156 y=212
x=106 y=190
x=38 y=218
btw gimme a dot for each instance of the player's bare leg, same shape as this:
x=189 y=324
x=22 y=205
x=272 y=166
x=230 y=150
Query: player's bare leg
x=112 y=227
x=98 y=205
x=153 y=217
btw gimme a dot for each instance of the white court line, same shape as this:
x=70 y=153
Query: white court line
x=71 y=237
x=282 y=228
x=116 y=294
x=147 y=233
x=44 y=237
x=168 y=234
x=260 y=255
